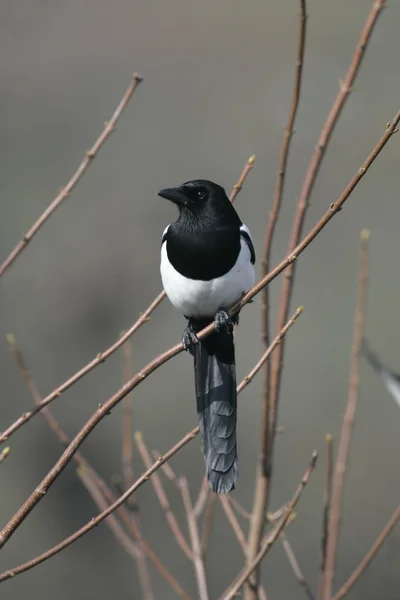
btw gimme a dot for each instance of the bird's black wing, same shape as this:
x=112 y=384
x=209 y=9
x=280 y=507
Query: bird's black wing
x=245 y=234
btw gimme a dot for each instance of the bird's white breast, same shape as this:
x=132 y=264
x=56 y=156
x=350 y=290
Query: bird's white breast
x=196 y=298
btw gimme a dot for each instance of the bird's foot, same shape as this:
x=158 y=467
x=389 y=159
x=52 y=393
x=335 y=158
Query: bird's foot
x=223 y=321
x=189 y=339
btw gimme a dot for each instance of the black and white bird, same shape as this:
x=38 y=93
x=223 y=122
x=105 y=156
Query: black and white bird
x=207 y=259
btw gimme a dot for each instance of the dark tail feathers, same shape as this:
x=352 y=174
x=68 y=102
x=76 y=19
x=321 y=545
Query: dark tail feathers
x=215 y=379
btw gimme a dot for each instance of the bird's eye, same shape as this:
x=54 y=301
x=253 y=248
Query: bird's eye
x=201 y=195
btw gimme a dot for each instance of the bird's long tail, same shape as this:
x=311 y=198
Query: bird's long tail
x=215 y=380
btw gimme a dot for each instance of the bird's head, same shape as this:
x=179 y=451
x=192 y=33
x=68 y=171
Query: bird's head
x=198 y=197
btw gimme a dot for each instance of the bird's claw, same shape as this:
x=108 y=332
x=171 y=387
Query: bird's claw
x=223 y=321
x=189 y=339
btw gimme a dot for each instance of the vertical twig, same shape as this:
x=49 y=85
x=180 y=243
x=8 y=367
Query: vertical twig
x=65 y=192
x=201 y=498
x=208 y=521
x=377 y=545
x=260 y=492
x=271 y=539
x=127 y=464
x=347 y=426
x=85 y=467
x=295 y=566
x=198 y=562
x=327 y=506
x=162 y=497
x=127 y=423
x=243 y=176
x=272 y=394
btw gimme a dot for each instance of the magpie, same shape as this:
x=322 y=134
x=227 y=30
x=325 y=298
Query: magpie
x=207 y=258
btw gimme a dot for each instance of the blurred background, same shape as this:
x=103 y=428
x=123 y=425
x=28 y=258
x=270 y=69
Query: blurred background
x=217 y=87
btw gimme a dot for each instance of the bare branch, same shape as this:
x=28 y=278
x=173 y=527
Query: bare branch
x=327 y=506
x=65 y=192
x=377 y=545
x=269 y=350
x=243 y=176
x=208 y=521
x=201 y=498
x=163 y=498
x=271 y=539
x=127 y=423
x=271 y=395
x=295 y=566
x=198 y=562
x=100 y=358
x=85 y=467
x=347 y=426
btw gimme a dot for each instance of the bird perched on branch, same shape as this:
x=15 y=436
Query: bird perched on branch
x=207 y=259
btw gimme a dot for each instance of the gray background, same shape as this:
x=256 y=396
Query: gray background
x=218 y=79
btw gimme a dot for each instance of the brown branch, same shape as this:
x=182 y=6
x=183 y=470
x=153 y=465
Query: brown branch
x=163 y=498
x=4 y=453
x=127 y=423
x=65 y=192
x=84 y=465
x=127 y=464
x=271 y=539
x=327 y=507
x=377 y=545
x=161 y=462
x=122 y=538
x=269 y=350
x=243 y=176
x=104 y=409
x=198 y=561
x=238 y=531
x=208 y=521
x=295 y=566
x=201 y=501
x=347 y=426
x=270 y=406
x=260 y=496
x=100 y=358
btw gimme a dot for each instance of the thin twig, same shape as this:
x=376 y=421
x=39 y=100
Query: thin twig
x=4 y=453
x=163 y=498
x=122 y=538
x=238 y=531
x=208 y=521
x=104 y=409
x=377 y=545
x=327 y=507
x=100 y=358
x=84 y=465
x=347 y=426
x=243 y=176
x=295 y=566
x=271 y=539
x=201 y=501
x=127 y=464
x=239 y=508
x=271 y=397
x=198 y=562
x=269 y=350
x=230 y=515
x=260 y=496
x=65 y=192
x=127 y=423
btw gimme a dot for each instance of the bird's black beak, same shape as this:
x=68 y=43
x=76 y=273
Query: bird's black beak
x=174 y=195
